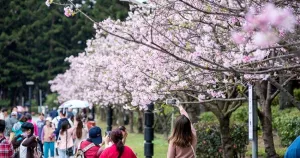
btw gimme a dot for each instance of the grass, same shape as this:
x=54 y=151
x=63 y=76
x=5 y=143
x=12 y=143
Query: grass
x=280 y=150
x=136 y=142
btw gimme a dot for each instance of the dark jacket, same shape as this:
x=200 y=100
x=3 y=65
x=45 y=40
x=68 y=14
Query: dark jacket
x=59 y=126
x=30 y=143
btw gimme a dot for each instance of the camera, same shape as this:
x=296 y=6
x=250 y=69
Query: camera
x=107 y=133
x=172 y=101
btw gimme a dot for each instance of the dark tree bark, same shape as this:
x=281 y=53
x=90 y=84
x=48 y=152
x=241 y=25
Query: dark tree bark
x=225 y=136
x=263 y=90
x=102 y=114
x=194 y=112
x=121 y=116
x=140 y=125
x=131 y=117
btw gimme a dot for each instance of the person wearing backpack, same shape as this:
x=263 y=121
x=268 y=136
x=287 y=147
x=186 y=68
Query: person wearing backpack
x=28 y=146
x=6 y=149
x=63 y=118
x=17 y=128
x=65 y=140
x=90 y=148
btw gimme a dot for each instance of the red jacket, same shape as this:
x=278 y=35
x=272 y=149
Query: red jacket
x=91 y=153
x=112 y=152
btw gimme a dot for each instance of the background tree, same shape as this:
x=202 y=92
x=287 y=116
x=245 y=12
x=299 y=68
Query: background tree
x=35 y=40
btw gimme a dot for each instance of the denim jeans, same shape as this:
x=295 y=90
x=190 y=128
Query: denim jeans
x=48 y=146
x=62 y=153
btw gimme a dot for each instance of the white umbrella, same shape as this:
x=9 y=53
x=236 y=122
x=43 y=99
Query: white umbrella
x=75 y=104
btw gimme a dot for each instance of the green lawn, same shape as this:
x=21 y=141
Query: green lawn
x=136 y=142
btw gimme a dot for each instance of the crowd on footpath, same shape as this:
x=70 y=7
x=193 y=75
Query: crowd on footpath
x=63 y=134
x=59 y=134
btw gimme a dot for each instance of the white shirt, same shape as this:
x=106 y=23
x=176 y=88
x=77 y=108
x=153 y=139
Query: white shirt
x=23 y=150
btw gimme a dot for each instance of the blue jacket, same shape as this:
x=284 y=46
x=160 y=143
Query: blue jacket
x=293 y=151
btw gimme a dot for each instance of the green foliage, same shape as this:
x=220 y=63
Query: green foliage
x=36 y=39
x=297 y=94
x=209 y=140
x=240 y=115
x=4 y=103
x=287 y=124
x=208 y=117
x=275 y=101
x=51 y=100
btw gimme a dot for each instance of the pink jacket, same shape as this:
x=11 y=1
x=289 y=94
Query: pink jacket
x=36 y=131
x=63 y=143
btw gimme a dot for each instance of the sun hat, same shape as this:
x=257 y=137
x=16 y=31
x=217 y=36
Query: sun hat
x=14 y=113
x=49 y=119
x=95 y=135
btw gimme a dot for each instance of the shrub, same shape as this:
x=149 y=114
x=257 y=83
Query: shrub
x=208 y=117
x=209 y=140
x=287 y=125
x=240 y=115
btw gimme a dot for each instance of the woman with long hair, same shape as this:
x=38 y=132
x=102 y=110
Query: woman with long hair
x=118 y=149
x=79 y=133
x=65 y=140
x=183 y=140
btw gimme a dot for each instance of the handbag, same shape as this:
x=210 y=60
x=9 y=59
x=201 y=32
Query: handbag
x=69 y=151
x=37 y=153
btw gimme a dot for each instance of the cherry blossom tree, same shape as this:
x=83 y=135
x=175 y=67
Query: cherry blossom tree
x=206 y=50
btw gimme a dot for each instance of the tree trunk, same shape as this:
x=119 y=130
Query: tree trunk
x=284 y=101
x=194 y=112
x=225 y=137
x=263 y=90
x=121 y=116
x=131 y=116
x=102 y=114
x=266 y=123
x=140 y=121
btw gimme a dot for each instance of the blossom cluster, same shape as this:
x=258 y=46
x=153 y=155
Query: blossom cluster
x=172 y=48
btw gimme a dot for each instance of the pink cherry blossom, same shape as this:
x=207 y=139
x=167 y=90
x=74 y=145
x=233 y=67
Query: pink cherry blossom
x=68 y=11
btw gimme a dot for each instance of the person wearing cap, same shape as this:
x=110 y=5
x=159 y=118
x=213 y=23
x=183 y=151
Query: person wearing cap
x=6 y=149
x=15 y=109
x=94 y=140
x=28 y=143
x=48 y=138
x=9 y=122
x=118 y=149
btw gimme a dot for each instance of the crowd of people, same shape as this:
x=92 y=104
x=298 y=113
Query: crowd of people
x=66 y=135
x=59 y=134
